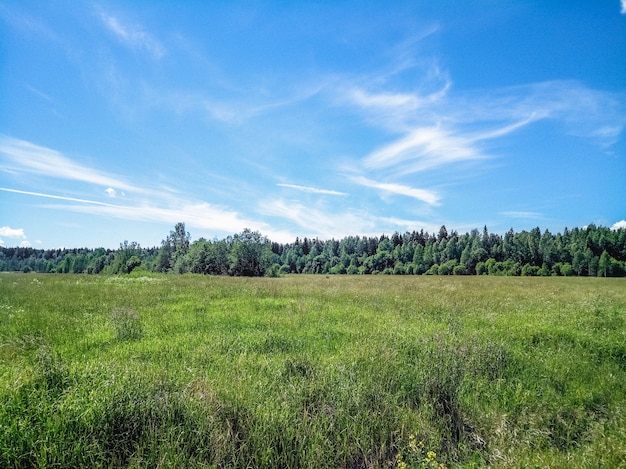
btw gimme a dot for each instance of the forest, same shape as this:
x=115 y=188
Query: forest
x=591 y=251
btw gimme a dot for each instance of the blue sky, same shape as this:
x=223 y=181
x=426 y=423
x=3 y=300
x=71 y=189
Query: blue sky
x=319 y=119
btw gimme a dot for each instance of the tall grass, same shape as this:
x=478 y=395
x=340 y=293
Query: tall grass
x=309 y=371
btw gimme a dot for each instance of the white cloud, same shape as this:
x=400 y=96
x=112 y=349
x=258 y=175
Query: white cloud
x=623 y=10
x=12 y=232
x=132 y=35
x=313 y=190
x=162 y=206
x=424 y=195
x=169 y=210
x=322 y=223
x=384 y=100
x=197 y=214
x=422 y=145
x=232 y=103
x=26 y=156
x=58 y=197
x=438 y=129
x=328 y=224
x=395 y=106
x=621 y=223
x=28 y=24
x=392 y=110
x=584 y=112
x=410 y=225
x=424 y=148
x=522 y=215
x=40 y=93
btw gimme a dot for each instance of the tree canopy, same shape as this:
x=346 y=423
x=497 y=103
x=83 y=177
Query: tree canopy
x=590 y=251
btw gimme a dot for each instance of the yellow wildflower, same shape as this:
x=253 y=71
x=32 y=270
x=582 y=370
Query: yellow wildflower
x=431 y=455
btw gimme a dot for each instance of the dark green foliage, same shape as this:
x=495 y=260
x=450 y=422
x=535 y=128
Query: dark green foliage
x=593 y=251
x=173 y=250
x=125 y=259
x=274 y=271
x=250 y=254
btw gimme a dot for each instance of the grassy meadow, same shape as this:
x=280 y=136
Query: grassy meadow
x=312 y=371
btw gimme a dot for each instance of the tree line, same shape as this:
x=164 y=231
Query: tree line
x=590 y=251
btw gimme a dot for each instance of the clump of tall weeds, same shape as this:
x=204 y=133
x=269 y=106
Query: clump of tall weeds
x=51 y=369
x=438 y=373
x=127 y=324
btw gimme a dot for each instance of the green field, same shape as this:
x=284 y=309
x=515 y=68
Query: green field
x=312 y=371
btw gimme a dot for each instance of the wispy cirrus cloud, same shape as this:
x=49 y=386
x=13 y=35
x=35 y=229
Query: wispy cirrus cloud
x=327 y=223
x=579 y=110
x=428 y=196
x=57 y=197
x=403 y=225
x=337 y=223
x=232 y=103
x=27 y=23
x=24 y=156
x=439 y=127
x=132 y=35
x=195 y=214
x=394 y=110
x=385 y=100
x=40 y=93
x=170 y=210
x=313 y=190
x=423 y=148
x=428 y=147
x=525 y=215
x=436 y=129
x=156 y=205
